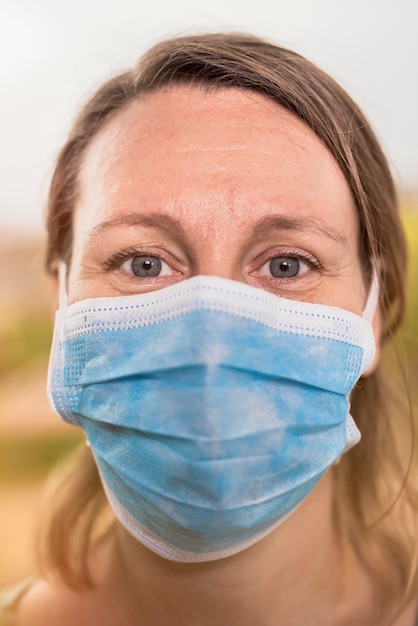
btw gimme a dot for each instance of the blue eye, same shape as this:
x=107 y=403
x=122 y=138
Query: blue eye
x=146 y=266
x=285 y=267
x=138 y=264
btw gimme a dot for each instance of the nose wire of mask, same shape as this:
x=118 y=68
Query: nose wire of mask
x=212 y=408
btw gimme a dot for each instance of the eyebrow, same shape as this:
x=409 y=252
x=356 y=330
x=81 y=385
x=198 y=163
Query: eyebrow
x=281 y=222
x=154 y=220
x=261 y=229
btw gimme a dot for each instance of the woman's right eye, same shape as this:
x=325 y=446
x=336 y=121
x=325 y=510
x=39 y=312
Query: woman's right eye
x=147 y=266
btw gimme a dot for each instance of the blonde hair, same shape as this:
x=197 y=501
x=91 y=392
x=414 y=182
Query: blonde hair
x=371 y=476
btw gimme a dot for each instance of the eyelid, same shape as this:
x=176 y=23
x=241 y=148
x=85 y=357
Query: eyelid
x=283 y=256
x=164 y=266
x=276 y=252
x=119 y=258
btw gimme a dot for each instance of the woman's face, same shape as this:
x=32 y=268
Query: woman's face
x=226 y=184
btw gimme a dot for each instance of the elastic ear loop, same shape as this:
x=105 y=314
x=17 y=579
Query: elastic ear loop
x=373 y=297
x=368 y=314
x=62 y=285
x=63 y=299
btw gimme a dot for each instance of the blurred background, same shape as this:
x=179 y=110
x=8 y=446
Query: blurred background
x=53 y=55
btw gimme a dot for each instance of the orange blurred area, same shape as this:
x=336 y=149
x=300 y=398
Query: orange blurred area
x=19 y=502
x=31 y=439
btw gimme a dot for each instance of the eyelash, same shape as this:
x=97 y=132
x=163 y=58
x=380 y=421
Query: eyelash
x=312 y=262
x=117 y=260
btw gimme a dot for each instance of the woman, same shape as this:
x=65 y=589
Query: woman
x=224 y=234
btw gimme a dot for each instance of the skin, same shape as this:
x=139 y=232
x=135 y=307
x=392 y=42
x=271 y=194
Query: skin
x=244 y=180
x=220 y=185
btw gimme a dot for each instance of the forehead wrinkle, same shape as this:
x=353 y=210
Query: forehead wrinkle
x=280 y=222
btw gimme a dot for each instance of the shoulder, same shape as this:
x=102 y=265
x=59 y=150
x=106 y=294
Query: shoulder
x=40 y=605
x=10 y=599
x=56 y=605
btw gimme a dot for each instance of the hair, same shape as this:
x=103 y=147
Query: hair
x=371 y=493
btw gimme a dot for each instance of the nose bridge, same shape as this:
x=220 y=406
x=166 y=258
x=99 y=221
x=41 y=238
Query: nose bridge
x=221 y=270
x=215 y=262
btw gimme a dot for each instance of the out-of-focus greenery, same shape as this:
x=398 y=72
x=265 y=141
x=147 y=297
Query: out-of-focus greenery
x=410 y=330
x=27 y=458
x=23 y=337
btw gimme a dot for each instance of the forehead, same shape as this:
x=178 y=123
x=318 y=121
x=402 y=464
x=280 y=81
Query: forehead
x=233 y=143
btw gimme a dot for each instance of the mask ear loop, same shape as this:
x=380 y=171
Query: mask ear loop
x=373 y=297
x=63 y=298
x=62 y=285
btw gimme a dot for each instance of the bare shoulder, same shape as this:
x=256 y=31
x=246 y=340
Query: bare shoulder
x=55 y=605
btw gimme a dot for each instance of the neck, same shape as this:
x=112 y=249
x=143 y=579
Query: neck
x=301 y=559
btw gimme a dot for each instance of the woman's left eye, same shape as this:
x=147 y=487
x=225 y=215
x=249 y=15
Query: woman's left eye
x=147 y=266
x=284 y=267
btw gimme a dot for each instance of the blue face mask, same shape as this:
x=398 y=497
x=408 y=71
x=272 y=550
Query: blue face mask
x=212 y=408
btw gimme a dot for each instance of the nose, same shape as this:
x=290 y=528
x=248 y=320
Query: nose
x=219 y=259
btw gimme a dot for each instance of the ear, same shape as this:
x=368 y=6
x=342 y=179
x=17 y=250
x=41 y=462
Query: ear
x=377 y=332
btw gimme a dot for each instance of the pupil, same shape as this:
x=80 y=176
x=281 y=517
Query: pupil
x=145 y=266
x=284 y=267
